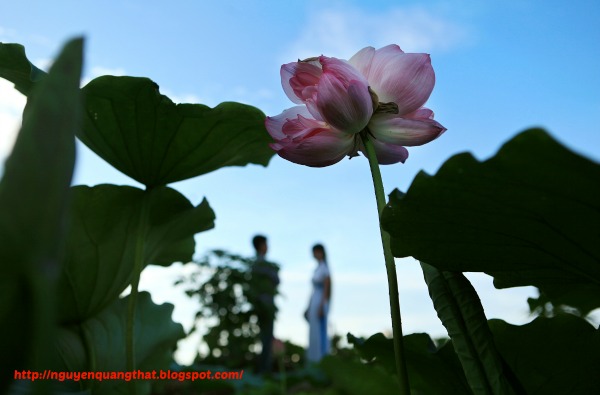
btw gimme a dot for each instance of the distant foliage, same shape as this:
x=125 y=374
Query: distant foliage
x=230 y=302
x=222 y=285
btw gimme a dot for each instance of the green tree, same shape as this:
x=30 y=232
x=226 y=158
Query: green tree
x=230 y=299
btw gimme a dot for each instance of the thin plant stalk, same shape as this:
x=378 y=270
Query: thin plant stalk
x=282 y=375
x=137 y=270
x=390 y=266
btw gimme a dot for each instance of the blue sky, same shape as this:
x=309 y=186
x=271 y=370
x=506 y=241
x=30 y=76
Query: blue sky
x=501 y=67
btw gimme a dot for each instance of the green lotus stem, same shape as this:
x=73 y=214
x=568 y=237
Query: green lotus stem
x=390 y=266
x=137 y=270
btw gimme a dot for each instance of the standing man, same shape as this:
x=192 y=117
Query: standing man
x=264 y=282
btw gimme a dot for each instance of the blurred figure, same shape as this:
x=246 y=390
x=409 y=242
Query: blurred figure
x=318 y=308
x=264 y=282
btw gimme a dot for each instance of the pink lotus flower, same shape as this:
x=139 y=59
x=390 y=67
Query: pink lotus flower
x=380 y=92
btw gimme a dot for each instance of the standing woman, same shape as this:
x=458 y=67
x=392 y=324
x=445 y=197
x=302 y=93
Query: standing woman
x=318 y=308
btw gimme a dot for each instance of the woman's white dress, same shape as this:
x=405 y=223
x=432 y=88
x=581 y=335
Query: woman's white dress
x=318 y=342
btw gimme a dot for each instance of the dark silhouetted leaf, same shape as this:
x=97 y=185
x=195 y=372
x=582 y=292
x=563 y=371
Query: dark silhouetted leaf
x=527 y=216
x=103 y=336
x=102 y=238
x=16 y=68
x=355 y=378
x=156 y=142
x=431 y=370
x=559 y=355
x=34 y=195
x=460 y=310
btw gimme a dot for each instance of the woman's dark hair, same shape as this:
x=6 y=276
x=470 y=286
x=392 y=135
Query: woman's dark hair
x=320 y=248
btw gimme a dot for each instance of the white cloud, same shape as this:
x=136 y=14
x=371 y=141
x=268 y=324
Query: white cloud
x=342 y=32
x=11 y=107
